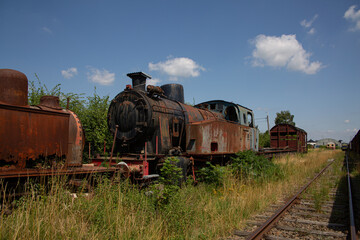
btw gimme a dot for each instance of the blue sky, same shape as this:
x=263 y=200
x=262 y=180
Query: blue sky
x=301 y=56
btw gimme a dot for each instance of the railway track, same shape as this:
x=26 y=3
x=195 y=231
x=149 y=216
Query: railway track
x=319 y=210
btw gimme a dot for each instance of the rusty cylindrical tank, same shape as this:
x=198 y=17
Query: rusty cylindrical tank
x=35 y=136
x=13 y=87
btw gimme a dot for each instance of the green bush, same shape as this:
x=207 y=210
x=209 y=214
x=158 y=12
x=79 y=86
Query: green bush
x=169 y=182
x=247 y=164
x=211 y=174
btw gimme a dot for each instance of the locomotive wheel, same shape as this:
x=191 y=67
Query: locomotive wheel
x=124 y=170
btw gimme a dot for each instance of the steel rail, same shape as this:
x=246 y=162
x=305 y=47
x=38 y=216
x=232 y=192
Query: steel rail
x=353 y=235
x=263 y=229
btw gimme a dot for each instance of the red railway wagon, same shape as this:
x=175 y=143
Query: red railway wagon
x=288 y=137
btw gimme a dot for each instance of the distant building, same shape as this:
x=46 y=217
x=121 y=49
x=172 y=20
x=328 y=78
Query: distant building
x=331 y=145
x=326 y=141
x=312 y=143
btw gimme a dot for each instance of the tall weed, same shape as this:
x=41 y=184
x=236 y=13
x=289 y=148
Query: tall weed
x=123 y=211
x=249 y=165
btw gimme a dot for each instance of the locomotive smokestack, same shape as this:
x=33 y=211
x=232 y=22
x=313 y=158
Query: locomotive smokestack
x=138 y=80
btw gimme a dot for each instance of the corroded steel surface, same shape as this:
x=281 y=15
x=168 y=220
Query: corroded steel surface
x=28 y=134
x=214 y=137
x=13 y=87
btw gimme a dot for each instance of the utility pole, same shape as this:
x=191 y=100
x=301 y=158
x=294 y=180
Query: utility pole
x=267 y=118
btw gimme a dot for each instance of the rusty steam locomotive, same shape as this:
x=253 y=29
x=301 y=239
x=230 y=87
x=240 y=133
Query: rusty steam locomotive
x=154 y=123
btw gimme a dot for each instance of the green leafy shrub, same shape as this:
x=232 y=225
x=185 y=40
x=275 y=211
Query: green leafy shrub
x=169 y=182
x=247 y=164
x=211 y=174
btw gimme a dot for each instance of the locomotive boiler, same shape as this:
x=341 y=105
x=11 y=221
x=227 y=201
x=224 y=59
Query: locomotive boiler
x=154 y=123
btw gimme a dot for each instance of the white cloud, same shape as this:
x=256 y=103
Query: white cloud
x=347 y=121
x=48 y=30
x=178 y=67
x=312 y=31
x=307 y=24
x=69 y=73
x=353 y=16
x=284 y=51
x=153 y=81
x=103 y=77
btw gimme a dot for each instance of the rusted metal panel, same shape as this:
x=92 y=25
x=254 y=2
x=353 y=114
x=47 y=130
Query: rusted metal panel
x=216 y=137
x=13 y=87
x=28 y=134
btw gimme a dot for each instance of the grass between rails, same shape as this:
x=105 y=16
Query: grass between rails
x=123 y=212
x=332 y=180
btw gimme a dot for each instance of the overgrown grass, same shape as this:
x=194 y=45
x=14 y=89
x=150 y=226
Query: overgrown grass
x=122 y=211
x=320 y=190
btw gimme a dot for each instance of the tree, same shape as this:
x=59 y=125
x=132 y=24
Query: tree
x=94 y=120
x=284 y=117
x=264 y=139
